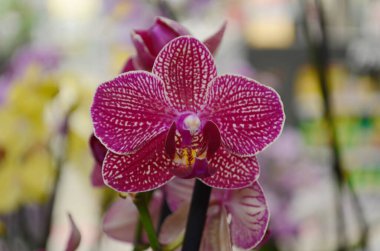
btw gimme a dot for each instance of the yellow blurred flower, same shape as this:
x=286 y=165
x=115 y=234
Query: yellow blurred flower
x=26 y=167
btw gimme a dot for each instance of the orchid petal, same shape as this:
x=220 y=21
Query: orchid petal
x=147 y=169
x=216 y=236
x=249 y=115
x=211 y=136
x=129 y=111
x=96 y=176
x=120 y=220
x=186 y=66
x=75 y=236
x=170 y=145
x=174 y=225
x=250 y=216
x=98 y=150
x=213 y=42
x=178 y=191
x=232 y=171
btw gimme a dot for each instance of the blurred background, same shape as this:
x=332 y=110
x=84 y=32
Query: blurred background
x=322 y=177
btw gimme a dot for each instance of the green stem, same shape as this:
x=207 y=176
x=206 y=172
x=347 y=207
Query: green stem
x=138 y=236
x=146 y=220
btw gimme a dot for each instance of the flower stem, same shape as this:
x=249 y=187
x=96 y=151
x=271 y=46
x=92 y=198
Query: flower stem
x=197 y=217
x=141 y=204
x=138 y=235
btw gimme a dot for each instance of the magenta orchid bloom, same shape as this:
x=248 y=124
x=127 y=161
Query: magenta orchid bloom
x=247 y=208
x=148 y=44
x=183 y=120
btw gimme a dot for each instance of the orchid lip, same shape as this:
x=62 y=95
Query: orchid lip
x=188 y=124
x=191 y=157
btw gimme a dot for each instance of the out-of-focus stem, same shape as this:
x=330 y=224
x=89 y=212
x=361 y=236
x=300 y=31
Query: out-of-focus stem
x=197 y=217
x=59 y=163
x=320 y=55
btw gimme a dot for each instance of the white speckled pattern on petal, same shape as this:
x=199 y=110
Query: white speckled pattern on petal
x=249 y=115
x=130 y=110
x=232 y=171
x=186 y=66
x=145 y=170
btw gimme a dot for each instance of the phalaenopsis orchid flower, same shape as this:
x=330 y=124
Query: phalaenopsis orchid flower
x=148 y=43
x=183 y=120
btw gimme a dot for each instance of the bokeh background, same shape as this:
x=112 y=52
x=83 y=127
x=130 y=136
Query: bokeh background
x=322 y=177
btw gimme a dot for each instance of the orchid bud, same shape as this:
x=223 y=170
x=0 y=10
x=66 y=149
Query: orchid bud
x=149 y=42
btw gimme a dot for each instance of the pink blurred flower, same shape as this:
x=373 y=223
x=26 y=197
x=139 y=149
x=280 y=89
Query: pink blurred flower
x=247 y=208
x=183 y=120
x=121 y=218
x=289 y=173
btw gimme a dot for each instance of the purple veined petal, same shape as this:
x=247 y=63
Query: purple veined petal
x=75 y=236
x=213 y=42
x=250 y=216
x=233 y=171
x=216 y=235
x=178 y=191
x=129 y=65
x=130 y=110
x=186 y=67
x=98 y=150
x=121 y=218
x=96 y=176
x=174 y=225
x=249 y=115
x=145 y=170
